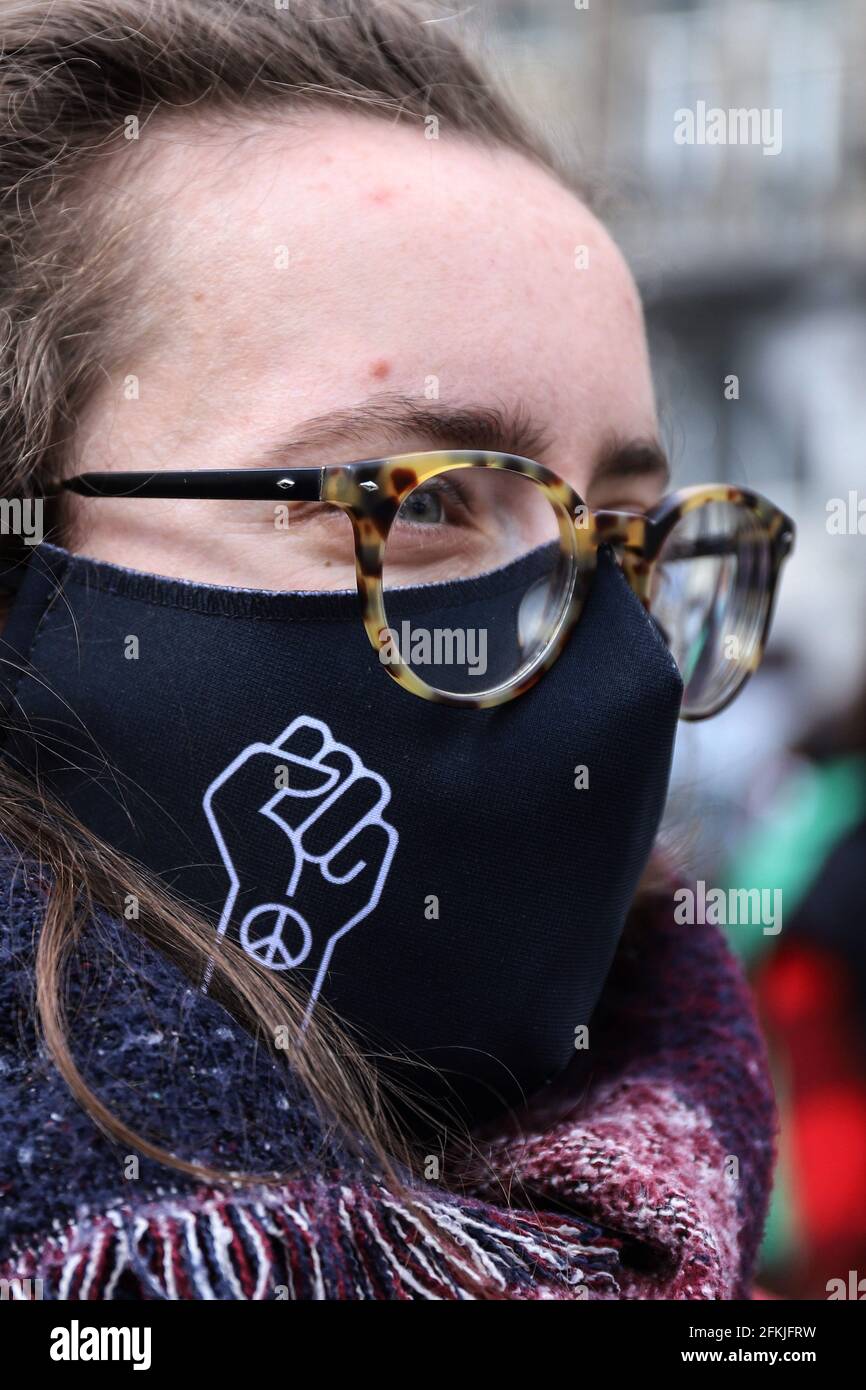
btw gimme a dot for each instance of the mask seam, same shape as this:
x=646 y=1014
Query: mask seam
x=186 y=596
x=152 y=600
x=649 y=622
x=155 y=600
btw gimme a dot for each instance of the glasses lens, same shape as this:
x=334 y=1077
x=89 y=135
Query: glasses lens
x=710 y=598
x=474 y=581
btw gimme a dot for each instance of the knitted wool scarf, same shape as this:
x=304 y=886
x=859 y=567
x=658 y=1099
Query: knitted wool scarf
x=649 y=1161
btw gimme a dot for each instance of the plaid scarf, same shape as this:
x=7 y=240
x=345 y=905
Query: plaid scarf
x=649 y=1170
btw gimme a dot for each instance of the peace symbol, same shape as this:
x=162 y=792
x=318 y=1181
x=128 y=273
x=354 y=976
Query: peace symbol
x=267 y=943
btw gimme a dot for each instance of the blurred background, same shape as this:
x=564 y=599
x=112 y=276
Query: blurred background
x=753 y=266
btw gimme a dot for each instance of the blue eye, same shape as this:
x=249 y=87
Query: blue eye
x=442 y=501
x=424 y=507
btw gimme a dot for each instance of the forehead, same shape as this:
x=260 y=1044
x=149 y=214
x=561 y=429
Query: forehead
x=315 y=258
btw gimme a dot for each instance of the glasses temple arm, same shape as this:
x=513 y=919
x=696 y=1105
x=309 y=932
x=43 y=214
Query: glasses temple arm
x=220 y=484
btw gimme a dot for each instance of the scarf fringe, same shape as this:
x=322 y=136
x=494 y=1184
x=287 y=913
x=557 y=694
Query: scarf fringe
x=327 y=1242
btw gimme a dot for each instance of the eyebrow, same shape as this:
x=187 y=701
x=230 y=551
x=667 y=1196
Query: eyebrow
x=507 y=430
x=621 y=459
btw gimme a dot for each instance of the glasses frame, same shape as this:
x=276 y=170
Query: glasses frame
x=371 y=492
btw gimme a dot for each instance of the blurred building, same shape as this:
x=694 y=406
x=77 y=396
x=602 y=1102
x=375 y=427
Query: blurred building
x=752 y=264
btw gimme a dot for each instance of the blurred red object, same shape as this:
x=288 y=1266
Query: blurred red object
x=814 y=1028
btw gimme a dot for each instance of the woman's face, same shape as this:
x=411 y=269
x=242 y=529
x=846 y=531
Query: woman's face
x=341 y=288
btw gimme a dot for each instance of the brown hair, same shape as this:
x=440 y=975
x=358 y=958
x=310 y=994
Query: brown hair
x=72 y=77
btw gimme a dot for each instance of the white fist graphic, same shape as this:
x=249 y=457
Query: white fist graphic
x=312 y=855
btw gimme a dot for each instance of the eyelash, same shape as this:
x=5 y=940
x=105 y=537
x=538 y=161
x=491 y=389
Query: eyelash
x=446 y=489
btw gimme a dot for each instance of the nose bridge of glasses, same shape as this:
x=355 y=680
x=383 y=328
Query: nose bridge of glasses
x=627 y=535
x=625 y=530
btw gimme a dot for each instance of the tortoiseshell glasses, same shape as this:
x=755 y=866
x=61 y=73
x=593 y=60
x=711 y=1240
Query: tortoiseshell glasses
x=472 y=568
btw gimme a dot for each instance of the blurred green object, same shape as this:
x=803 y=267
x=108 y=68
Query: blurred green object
x=818 y=804
x=781 y=1233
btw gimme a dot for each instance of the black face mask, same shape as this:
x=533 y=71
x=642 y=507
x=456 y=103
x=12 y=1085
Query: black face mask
x=448 y=879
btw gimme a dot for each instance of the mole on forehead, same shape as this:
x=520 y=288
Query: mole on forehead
x=380 y=368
